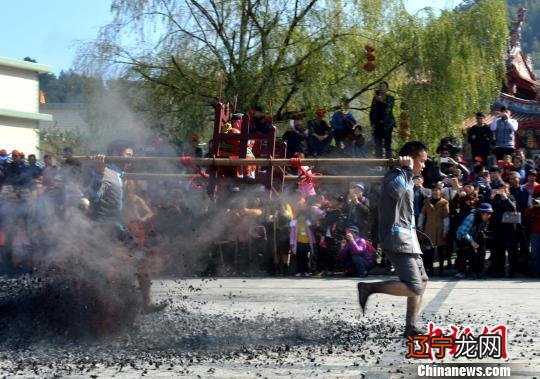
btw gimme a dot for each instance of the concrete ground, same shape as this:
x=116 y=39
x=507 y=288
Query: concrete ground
x=290 y=327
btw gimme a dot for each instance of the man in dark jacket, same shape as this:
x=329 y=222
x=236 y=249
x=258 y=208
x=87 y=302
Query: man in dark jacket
x=296 y=141
x=505 y=233
x=382 y=120
x=523 y=201
x=480 y=137
x=15 y=167
x=320 y=134
x=398 y=238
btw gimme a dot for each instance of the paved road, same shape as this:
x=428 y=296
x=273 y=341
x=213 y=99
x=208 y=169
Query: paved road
x=473 y=303
x=304 y=328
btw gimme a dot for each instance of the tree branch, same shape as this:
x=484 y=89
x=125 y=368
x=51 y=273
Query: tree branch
x=370 y=85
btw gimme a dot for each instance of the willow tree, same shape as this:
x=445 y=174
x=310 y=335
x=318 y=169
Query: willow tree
x=457 y=69
x=291 y=56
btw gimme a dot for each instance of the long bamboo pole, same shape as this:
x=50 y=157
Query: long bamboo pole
x=288 y=178
x=251 y=162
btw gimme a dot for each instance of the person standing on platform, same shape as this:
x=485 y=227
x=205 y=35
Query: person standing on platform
x=480 y=137
x=504 y=127
x=382 y=120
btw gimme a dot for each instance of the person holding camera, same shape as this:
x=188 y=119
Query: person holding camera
x=479 y=137
x=532 y=215
x=505 y=232
x=356 y=251
x=356 y=209
x=472 y=236
x=382 y=120
x=504 y=128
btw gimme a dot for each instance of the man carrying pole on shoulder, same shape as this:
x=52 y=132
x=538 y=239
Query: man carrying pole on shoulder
x=397 y=235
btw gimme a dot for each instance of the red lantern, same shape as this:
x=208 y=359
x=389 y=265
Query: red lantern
x=369 y=67
x=405 y=133
x=369 y=48
x=370 y=57
x=404 y=115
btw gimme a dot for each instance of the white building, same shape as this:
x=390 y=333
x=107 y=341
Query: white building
x=19 y=105
x=70 y=116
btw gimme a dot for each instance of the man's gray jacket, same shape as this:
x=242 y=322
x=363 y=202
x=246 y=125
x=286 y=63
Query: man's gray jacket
x=397 y=231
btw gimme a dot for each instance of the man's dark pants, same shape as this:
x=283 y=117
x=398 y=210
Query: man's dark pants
x=383 y=138
x=410 y=270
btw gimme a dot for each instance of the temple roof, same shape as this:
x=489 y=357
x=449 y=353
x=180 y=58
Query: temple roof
x=526 y=112
x=521 y=80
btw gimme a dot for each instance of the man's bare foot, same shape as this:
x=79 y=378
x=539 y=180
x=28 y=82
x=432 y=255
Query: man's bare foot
x=151 y=308
x=412 y=330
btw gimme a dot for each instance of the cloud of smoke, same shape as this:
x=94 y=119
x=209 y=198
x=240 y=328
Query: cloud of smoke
x=86 y=263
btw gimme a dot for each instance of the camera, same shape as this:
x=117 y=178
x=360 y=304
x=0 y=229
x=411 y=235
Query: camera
x=485 y=232
x=444 y=159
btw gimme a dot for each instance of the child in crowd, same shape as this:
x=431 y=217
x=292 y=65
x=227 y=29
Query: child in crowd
x=302 y=239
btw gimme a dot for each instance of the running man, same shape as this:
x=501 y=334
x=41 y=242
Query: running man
x=398 y=238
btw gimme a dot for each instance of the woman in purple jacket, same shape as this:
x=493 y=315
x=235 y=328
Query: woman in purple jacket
x=357 y=251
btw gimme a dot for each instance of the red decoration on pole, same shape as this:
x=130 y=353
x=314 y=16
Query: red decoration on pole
x=370 y=57
x=369 y=67
x=404 y=127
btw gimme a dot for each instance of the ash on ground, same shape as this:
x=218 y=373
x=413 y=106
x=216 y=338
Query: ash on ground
x=44 y=334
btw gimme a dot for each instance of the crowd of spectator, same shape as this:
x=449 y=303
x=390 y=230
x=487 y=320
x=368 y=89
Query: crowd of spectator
x=471 y=215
